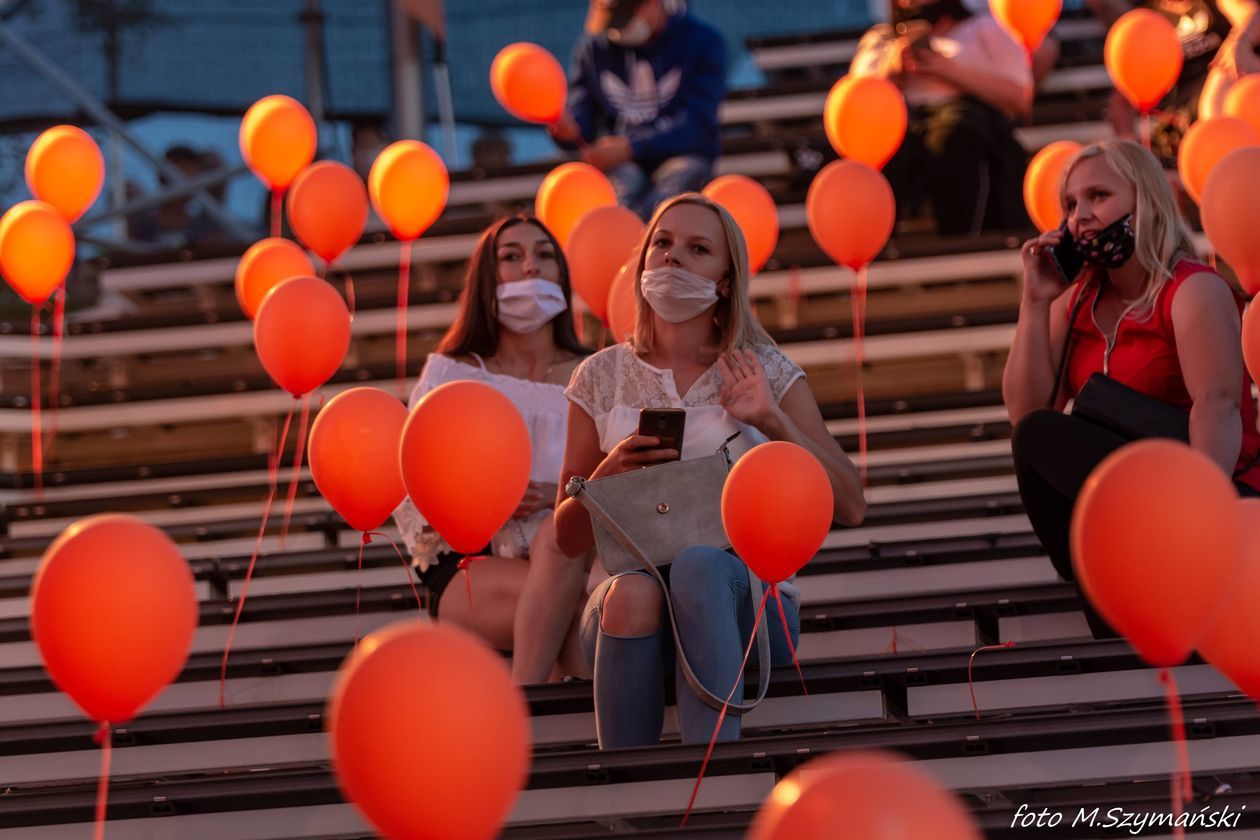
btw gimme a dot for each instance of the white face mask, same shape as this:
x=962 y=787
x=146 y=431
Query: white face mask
x=677 y=294
x=636 y=33
x=526 y=305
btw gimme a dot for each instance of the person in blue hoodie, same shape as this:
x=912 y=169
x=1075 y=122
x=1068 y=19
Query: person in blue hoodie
x=645 y=83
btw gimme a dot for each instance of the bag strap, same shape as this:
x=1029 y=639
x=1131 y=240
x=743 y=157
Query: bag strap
x=575 y=487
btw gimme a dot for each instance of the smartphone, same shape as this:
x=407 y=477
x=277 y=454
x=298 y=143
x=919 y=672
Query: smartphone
x=667 y=424
x=915 y=33
x=1067 y=257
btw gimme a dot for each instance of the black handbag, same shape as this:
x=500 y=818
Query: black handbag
x=1128 y=413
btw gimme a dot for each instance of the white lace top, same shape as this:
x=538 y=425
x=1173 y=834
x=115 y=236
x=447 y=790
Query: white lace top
x=545 y=410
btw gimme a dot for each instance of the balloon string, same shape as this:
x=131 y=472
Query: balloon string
x=273 y=481
x=787 y=634
x=299 y=448
x=277 y=207
x=54 y=373
x=971 y=661
x=37 y=436
x=104 y=738
x=358 y=588
x=1146 y=128
x=859 y=331
x=739 y=681
x=400 y=340
x=406 y=565
x=464 y=563
x=894 y=639
x=1182 y=787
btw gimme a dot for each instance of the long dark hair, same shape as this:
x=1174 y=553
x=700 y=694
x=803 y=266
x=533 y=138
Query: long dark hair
x=476 y=325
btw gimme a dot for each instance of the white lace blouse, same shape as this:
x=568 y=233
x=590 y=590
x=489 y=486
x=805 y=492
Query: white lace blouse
x=545 y=410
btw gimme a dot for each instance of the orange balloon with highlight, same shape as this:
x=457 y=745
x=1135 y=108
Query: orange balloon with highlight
x=267 y=263
x=354 y=456
x=1143 y=57
x=851 y=212
x=1251 y=340
x=328 y=208
x=410 y=778
x=277 y=140
x=409 y=186
x=754 y=210
x=36 y=250
x=466 y=459
x=1157 y=544
x=1233 y=635
x=598 y=247
x=1042 y=183
x=623 y=305
x=1028 y=21
x=865 y=119
x=64 y=168
x=1243 y=101
x=302 y=333
x=529 y=83
x=1205 y=144
x=113 y=612
x=568 y=193
x=1229 y=207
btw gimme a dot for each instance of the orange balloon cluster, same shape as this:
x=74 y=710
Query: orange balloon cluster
x=354 y=456
x=1205 y=144
x=623 y=305
x=568 y=193
x=113 y=612
x=277 y=140
x=1243 y=101
x=409 y=186
x=851 y=212
x=1233 y=635
x=865 y=119
x=409 y=777
x=64 y=168
x=777 y=508
x=1156 y=544
x=598 y=247
x=36 y=250
x=755 y=212
x=1029 y=21
x=872 y=795
x=1042 y=181
x=267 y=263
x=466 y=459
x=302 y=333
x=328 y=208
x=1143 y=57
x=529 y=83
x=1229 y=205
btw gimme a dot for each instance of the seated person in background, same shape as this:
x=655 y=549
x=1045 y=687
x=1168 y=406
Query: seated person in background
x=1142 y=311
x=514 y=331
x=697 y=346
x=645 y=84
x=963 y=77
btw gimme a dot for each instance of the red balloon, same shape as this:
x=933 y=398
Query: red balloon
x=1233 y=635
x=598 y=247
x=277 y=140
x=328 y=208
x=777 y=508
x=568 y=193
x=354 y=456
x=865 y=119
x=623 y=304
x=65 y=168
x=408 y=185
x=1251 y=339
x=1143 y=57
x=429 y=737
x=1156 y=544
x=268 y=262
x=755 y=212
x=529 y=83
x=1229 y=203
x=302 y=333
x=36 y=250
x=113 y=612
x=851 y=212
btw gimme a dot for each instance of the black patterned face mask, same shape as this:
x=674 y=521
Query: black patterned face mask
x=1112 y=246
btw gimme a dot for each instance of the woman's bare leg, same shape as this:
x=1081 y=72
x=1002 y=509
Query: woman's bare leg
x=496 y=588
x=553 y=588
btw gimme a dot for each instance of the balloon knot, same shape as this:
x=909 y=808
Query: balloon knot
x=367 y=538
x=102 y=732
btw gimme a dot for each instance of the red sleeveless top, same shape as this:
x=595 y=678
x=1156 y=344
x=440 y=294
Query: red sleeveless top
x=1144 y=357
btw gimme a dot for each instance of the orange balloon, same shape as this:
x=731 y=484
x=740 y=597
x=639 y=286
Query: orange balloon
x=65 y=169
x=410 y=778
x=466 y=459
x=266 y=263
x=1028 y=21
x=1230 y=202
x=1233 y=635
x=851 y=212
x=1243 y=101
x=328 y=207
x=1143 y=57
x=529 y=83
x=754 y=210
x=871 y=795
x=277 y=140
x=36 y=250
x=1042 y=183
x=623 y=306
x=865 y=119
x=354 y=456
x=1205 y=144
x=1156 y=544
x=1251 y=340
x=409 y=186
x=598 y=247
x=568 y=193
x=777 y=509
x=113 y=611
x=302 y=333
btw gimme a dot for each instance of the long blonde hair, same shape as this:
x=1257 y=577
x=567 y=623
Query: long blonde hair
x=736 y=322
x=1162 y=235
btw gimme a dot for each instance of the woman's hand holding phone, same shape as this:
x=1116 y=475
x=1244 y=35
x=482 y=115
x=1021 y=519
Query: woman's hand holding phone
x=1042 y=280
x=632 y=453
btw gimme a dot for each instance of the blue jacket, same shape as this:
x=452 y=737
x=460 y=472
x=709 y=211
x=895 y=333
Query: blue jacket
x=664 y=96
